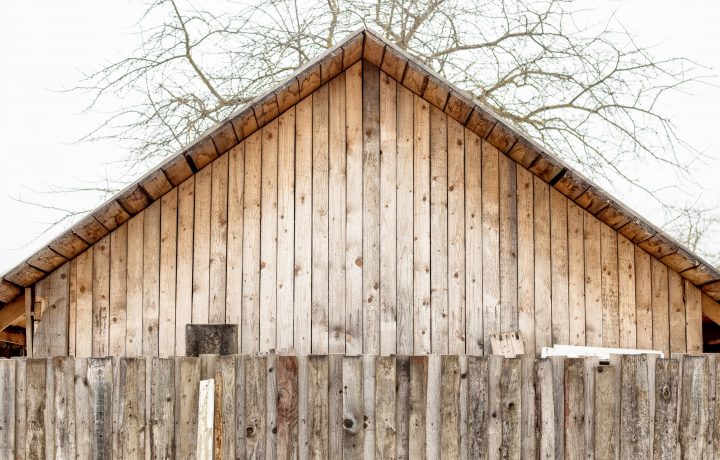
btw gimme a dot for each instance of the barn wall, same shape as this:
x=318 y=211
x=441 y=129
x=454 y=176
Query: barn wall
x=365 y=220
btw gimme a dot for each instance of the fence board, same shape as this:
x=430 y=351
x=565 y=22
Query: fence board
x=7 y=407
x=20 y=407
x=693 y=406
x=605 y=393
x=131 y=410
x=335 y=405
x=97 y=377
x=544 y=407
x=510 y=389
x=352 y=407
x=575 y=408
x=432 y=408
x=287 y=407
x=634 y=408
x=418 y=383
x=477 y=411
x=667 y=379
x=317 y=406
x=402 y=406
x=36 y=408
x=162 y=408
x=63 y=371
x=187 y=379
x=385 y=427
x=255 y=403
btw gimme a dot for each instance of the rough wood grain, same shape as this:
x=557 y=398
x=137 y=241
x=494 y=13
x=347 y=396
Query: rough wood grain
x=635 y=441
x=474 y=341
x=162 y=408
x=417 y=403
x=667 y=380
x=605 y=392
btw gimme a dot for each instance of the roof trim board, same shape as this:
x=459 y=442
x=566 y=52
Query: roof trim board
x=363 y=44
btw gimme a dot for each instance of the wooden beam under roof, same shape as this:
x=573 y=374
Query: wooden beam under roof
x=12 y=313
x=13 y=336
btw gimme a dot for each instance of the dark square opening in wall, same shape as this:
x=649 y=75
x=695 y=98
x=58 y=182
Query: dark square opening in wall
x=215 y=339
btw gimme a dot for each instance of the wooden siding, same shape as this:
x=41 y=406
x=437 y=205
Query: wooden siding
x=364 y=220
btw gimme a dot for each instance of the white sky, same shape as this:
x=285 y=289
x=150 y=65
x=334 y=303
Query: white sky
x=47 y=44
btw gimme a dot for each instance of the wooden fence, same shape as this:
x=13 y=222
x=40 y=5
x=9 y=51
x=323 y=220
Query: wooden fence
x=362 y=406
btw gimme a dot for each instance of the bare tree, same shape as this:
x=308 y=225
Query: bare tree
x=588 y=92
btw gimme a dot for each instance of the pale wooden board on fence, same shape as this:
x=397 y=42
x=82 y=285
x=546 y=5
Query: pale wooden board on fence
x=286 y=230
x=162 y=409
x=63 y=371
x=693 y=406
x=35 y=442
x=50 y=411
x=100 y=298
x=421 y=227
x=317 y=407
x=255 y=406
x=335 y=405
x=271 y=407
x=490 y=243
x=336 y=215
x=385 y=404
x=605 y=392
x=134 y=286
x=418 y=402
x=225 y=406
x=187 y=379
x=593 y=281
x=590 y=365
x=667 y=380
x=369 y=406
x=474 y=341
x=544 y=409
x=20 y=400
x=439 y=231
x=94 y=395
x=660 y=307
x=559 y=266
x=433 y=421
x=402 y=406
x=676 y=303
x=456 y=237
x=693 y=318
x=463 y=406
x=652 y=359
x=507 y=172
x=320 y=168
x=83 y=288
x=477 y=405
x=168 y=271
x=576 y=274
x=558 y=365
x=287 y=407
x=72 y=307
x=616 y=362
x=635 y=440
x=527 y=406
x=151 y=280
x=510 y=411
x=238 y=420
x=609 y=288
x=183 y=289
x=526 y=260
x=250 y=313
x=218 y=239
x=494 y=423
x=715 y=409
x=236 y=190
x=710 y=406
x=643 y=299
x=575 y=446
x=354 y=210
x=543 y=265
x=388 y=214
x=131 y=410
x=371 y=208
x=206 y=409
x=626 y=293
x=8 y=416
x=303 y=227
x=353 y=415
x=201 y=247
x=268 y=238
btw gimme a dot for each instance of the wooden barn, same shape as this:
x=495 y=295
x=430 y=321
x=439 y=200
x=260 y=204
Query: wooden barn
x=365 y=207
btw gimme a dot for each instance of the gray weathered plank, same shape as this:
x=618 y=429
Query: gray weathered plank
x=693 y=406
x=477 y=411
x=20 y=407
x=99 y=388
x=36 y=408
x=527 y=414
x=162 y=408
x=187 y=379
x=605 y=394
x=131 y=409
x=544 y=409
x=255 y=407
x=287 y=407
x=7 y=407
x=510 y=411
x=402 y=406
x=667 y=379
x=432 y=408
x=385 y=428
x=634 y=408
x=63 y=371
x=317 y=425
x=418 y=400
x=575 y=408
x=353 y=416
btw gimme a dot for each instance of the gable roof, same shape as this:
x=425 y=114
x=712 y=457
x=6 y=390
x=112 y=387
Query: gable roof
x=367 y=45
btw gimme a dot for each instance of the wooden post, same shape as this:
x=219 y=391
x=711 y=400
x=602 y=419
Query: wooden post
x=29 y=322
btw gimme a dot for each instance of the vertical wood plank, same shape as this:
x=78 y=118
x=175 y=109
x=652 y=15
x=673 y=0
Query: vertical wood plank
x=576 y=274
x=134 y=283
x=320 y=220
x=559 y=264
x=162 y=408
x=100 y=298
x=591 y=364
x=526 y=259
x=287 y=407
x=303 y=227
x=643 y=299
x=354 y=207
x=35 y=442
x=405 y=203
x=286 y=230
x=336 y=215
x=218 y=239
x=388 y=214
x=477 y=409
x=151 y=280
x=353 y=416
x=439 y=231
x=368 y=406
x=693 y=406
x=83 y=312
x=494 y=425
x=693 y=318
x=206 y=409
x=508 y=244
x=201 y=247
x=268 y=238
x=97 y=386
x=335 y=405
x=634 y=408
x=63 y=372
x=667 y=380
x=168 y=272
x=421 y=227
x=575 y=446
x=510 y=411
x=238 y=420
x=385 y=404
x=236 y=191
x=490 y=243
x=418 y=402
x=660 y=307
x=527 y=415
x=72 y=307
x=20 y=396
x=605 y=391
x=227 y=419
x=610 y=307
x=402 y=406
x=456 y=237
x=271 y=407
x=593 y=281
x=255 y=407
x=317 y=424
x=118 y=290
x=558 y=364
x=676 y=299
x=626 y=293
x=7 y=408
x=187 y=381
x=371 y=207
x=183 y=289
x=474 y=341
x=543 y=265
x=544 y=409
x=250 y=314
x=433 y=412
x=131 y=410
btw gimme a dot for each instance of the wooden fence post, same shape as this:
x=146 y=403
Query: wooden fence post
x=667 y=377
x=7 y=407
x=206 y=417
x=605 y=395
x=635 y=411
x=693 y=406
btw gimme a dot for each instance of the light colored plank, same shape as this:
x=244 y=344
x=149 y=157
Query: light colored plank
x=456 y=238
x=162 y=408
x=317 y=407
x=526 y=260
x=206 y=410
x=605 y=392
x=218 y=239
x=336 y=216
x=433 y=413
x=693 y=318
x=388 y=214
x=527 y=406
x=168 y=272
x=510 y=411
x=473 y=240
x=72 y=307
x=287 y=407
x=353 y=219
x=335 y=405
x=439 y=231
x=36 y=409
x=134 y=286
x=239 y=397
x=371 y=208
x=320 y=168
x=634 y=408
x=84 y=289
x=593 y=281
x=405 y=296
x=268 y=238
x=667 y=382
x=626 y=293
x=543 y=265
x=100 y=298
x=201 y=247
x=227 y=420
x=187 y=381
x=490 y=243
x=236 y=190
x=7 y=408
x=676 y=298
x=545 y=413
x=559 y=264
x=20 y=399
x=576 y=275
x=353 y=431
x=693 y=406
x=507 y=172
x=643 y=299
x=450 y=408
x=402 y=406
x=63 y=372
x=151 y=280
x=250 y=315
x=385 y=404
x=494 y=425
x=286 y=229
x=421 y=228
x=660 y=307
x=610 y=306
x=255 y=407
x=118 y=290
x=131 y=410
x=418 y=402
x=368 y=407
x=477 y=408
x=575 y=446
x=271 y=397
x=303 y=226
x=183 y=289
